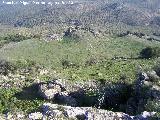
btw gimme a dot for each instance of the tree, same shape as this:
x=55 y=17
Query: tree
x=150 y=52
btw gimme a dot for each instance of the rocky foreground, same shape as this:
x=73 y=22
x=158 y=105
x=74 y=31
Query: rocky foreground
x=91 y=100
x=59 y=112
x=57 y=92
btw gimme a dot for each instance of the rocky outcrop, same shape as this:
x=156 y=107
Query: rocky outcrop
x=139 y=85
x=107 y=96
x=117 y=96
x=145 y=89
x=88 y=113
x=153 y=76
x=58 y=112
x=54 y=90
x=83 y=113
x=13 y=116
x=146 y=85
x=50 y=89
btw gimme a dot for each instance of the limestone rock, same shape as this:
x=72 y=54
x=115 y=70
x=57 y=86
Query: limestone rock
x=13 y=116
x=153 y=75
x=144 y=116
x=50 y=90
x=35 y=116
x=143 y=76
x=51 y=110
x=2 y=117
x=155 y=92
x=89 y=113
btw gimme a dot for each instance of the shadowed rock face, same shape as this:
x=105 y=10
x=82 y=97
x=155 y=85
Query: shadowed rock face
x=86 y=94
x=120 y=96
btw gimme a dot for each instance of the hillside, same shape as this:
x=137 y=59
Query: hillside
x=109 y=59
x=100 y=13
x=80 y=60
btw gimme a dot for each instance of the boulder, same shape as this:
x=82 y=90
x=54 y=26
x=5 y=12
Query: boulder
x=50 y=89
x=153 y=76
x=145 y=86
x=51 y=110
x=52 y=37
x=143 y=76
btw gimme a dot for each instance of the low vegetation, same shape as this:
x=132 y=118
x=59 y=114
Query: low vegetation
x=12 y=38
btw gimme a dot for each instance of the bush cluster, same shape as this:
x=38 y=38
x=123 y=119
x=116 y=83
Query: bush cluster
x=150 y=52
x=15 y=38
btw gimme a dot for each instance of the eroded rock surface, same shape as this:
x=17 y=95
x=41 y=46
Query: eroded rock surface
x=50 y=89
x=88 y=113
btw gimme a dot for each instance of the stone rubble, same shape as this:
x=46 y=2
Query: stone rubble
x=89 y=113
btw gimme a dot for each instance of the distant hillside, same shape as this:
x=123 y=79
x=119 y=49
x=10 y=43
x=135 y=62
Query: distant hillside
x=144 y=13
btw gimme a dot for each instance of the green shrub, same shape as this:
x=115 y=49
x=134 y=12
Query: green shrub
x=150 y=52
x=6 y=100
x=15 y=38
x=9 y=102
x=69 y=39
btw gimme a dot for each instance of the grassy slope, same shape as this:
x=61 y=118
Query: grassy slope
x=50 y=55
x=103 y=50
